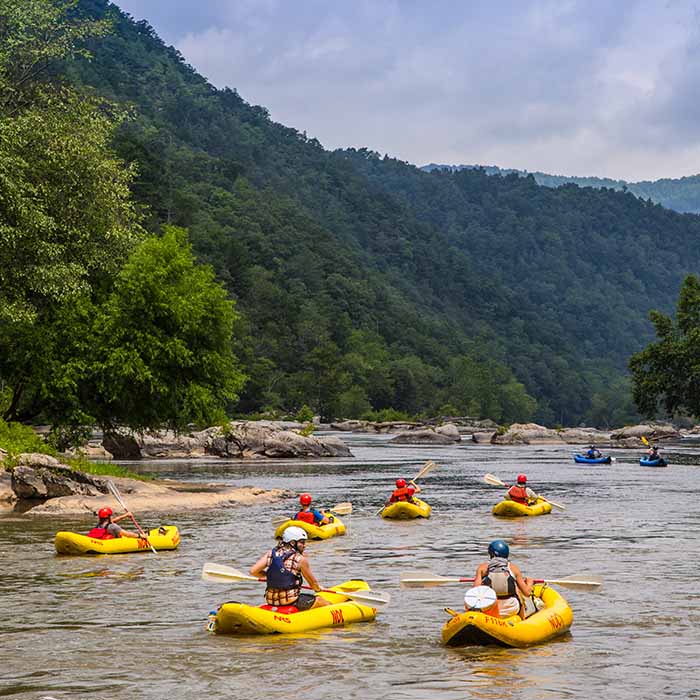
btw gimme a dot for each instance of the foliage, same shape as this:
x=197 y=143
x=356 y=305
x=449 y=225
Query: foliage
x=387 y=415
x=16 y=438
x=307 y=430
x=666 y=374
x=304 y=415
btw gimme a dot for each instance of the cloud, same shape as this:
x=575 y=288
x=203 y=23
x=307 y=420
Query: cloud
x=567 y=86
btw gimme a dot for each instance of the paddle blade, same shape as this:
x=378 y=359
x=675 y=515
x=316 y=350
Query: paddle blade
x=644 y=440
x=427 y=580
x=578 y=583
x=493 y=480
x=372 y=599
x=220 y=572
x=344 y=508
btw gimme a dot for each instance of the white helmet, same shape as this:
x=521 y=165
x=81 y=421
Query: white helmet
x=293 y=534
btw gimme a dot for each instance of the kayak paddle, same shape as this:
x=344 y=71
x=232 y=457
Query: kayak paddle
x=423 y=580
x=219 y=572
x=344 y=508
x=495 y=481
x=115 y=492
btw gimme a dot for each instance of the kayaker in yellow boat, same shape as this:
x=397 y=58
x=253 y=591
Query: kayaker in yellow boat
x=107 y=528
x=521 y=493
x=284 y=566
x=402 y=492
x=309 y=515
x=505 y=578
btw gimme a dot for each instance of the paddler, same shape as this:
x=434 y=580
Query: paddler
x=521 y=492
x=403 y=492
x=107 y=528
x=593 y=452
x=284 y=566
x=506 y=579
x=653 y=453
x=311 y=515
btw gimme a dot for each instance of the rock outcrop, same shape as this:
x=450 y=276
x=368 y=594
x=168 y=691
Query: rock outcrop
x=425 y=437
x=631 y=435
x=242 y=439
x=527 y=434
x=40 y=476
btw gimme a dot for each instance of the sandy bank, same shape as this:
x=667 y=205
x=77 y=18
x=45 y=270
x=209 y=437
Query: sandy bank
x=161 y=496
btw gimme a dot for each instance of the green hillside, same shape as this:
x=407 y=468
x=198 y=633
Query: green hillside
x=680 y=194
x=365 y=282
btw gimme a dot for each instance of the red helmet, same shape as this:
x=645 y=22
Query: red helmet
x=400 y=483
x=305 y=499
x=104 y=513
x=522 y=479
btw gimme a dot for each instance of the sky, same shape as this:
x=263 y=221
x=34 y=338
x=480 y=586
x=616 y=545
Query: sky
x=576 y=87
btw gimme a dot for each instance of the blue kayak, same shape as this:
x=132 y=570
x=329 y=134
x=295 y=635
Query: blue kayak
x=660 y=462
x=582 y=459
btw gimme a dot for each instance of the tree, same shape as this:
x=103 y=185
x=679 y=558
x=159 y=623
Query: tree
x=666 y=374
x=65 y=213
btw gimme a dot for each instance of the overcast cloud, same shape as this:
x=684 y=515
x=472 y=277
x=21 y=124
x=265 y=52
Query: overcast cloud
x=578 y=87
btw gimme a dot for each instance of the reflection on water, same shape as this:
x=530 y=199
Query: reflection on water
x=133 y=626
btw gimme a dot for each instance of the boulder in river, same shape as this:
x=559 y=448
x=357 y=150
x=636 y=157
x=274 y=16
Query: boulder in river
x=527 y=434
x=631 y=435
x=424 y=437
x=40 y=476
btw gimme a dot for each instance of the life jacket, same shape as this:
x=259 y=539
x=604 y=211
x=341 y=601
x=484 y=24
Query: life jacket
x=518 y=494
x=500 y=578
x=278 y=576
x=100 y=533
x=306 y=516
x=401 y=494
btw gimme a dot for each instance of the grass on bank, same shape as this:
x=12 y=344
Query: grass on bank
x=16 y=438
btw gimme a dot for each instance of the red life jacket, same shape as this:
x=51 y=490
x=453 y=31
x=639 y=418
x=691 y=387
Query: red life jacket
x=100 y=533
x=306 y=516
x=518 y=494
x=401 y=494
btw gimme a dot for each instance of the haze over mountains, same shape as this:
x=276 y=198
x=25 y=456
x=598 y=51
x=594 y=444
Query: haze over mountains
x=680 y=194
x=368 y=283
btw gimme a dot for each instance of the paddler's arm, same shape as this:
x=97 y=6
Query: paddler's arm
x=306 y=573
x=117 y=518
x=259 y=566
x=415 y=486
x=481 y=572
x=524 y=584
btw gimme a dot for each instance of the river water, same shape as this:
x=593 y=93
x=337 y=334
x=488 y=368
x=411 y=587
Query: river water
x=133 y=626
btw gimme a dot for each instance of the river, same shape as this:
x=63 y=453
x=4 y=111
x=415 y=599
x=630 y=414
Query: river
x=133 y=626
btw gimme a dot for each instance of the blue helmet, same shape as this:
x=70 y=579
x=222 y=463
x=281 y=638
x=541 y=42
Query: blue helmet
x=498 y=548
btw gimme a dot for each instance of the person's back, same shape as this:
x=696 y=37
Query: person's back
x=520 y=493
x=402 y=492
x=505 y=578
x=107 y=528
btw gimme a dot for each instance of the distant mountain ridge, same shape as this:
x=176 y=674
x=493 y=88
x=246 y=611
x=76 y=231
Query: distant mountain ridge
x=680 y=194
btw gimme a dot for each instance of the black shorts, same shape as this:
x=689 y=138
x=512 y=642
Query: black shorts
x=305 y=601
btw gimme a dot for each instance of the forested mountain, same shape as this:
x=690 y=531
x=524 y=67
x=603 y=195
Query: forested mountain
x=365 y=282
x=680 y=194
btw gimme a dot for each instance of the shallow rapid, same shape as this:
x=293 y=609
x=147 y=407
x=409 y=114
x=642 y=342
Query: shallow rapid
x=133 y=626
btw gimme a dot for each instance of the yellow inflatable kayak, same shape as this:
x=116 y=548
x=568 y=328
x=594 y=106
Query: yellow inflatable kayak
x=475 y=628
x=73 y=543
x=314 y=532
x=511 y=509
x=403 y=510
x=238 y=618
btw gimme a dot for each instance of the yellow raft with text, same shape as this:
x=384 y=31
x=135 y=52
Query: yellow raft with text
x=73 y=543
x=475 y=628
x=239 y=618
x=511 y=509
x=403 y=510
x=314 y=532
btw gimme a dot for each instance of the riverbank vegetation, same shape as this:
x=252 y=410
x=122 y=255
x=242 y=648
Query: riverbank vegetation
x=362 y=285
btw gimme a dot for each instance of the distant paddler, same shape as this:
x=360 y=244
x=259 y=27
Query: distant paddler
x=107 y=528
x=310 y=515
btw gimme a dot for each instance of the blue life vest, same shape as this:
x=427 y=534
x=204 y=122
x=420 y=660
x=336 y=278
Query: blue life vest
x=279 y=577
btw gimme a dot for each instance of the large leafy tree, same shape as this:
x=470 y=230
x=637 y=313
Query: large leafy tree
x=666 y=374
x=65 y=213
